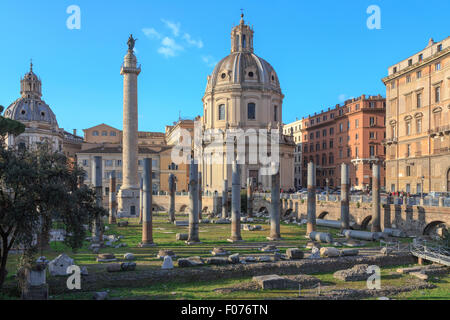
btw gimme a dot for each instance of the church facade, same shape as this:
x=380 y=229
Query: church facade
x=244 y=93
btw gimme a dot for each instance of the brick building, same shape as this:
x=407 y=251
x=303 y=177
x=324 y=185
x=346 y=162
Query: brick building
x=352 y=134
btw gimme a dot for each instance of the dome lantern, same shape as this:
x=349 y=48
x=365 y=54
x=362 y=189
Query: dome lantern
x=242 y=37
x=30 y=85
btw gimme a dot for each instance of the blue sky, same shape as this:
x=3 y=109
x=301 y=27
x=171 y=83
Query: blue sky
x=322 y=51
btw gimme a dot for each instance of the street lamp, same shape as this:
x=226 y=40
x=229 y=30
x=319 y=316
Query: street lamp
x=326 y=180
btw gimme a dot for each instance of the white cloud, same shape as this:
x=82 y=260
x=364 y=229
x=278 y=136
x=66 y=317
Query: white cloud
x=174 y=26
x=197 y=43
x=151 y=33
x=170 y=47
x=209 y=61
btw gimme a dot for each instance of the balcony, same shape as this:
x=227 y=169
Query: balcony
x=441 y=150
x=439 y=131
x=389 y=141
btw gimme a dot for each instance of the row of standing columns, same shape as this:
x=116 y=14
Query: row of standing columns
x=345 y=198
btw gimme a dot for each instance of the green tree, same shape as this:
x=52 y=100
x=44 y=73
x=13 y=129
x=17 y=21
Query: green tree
x=38 y=187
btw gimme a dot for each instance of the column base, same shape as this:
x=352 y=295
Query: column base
x=191 y=243
x=146 y=245
x=235 y=240
x=274 y=238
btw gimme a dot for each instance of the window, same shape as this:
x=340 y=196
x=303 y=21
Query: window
x=357 y=123
x=408 y=128
x=408 y=150
x=311 y=136
x=317 y=146
x=317 y=134
x=356 y=136
x=437 y=66
x=251 y=111
x=357 y=106
x=104 y=133
x=437 y=94
x=419 y=125
x=419 y=74
x=372 y=151
x=372 y=135
x=275 y=113
x=221 y=112
x=331 y=144
x=356 y=152
x=112 y=134
x=439 y=48
x=349 y=151
x=85 y=163
x=372 y=121
x=340 y=153
x=324 y=145
x=109 y=163
x=324 y=132
x=372 y=104
x=394 y=70
x=332 y=116
x=331 y=131
x=408 y=79
x=410 y=62
x=408 y=171
x=331 y=159
x=119 y=163
x=393 y=85
x=348 y=125
x=95 y=133
x=420 y=57
x=419 y=100
x=341 y=127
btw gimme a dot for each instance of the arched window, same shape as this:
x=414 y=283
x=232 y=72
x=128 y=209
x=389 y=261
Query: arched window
x=95 y=133
x=251 y=111
x=244 y=42
x=275 y=113
x=221 y=112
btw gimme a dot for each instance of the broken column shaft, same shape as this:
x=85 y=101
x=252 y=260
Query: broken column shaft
x=376 y=210
x=311 y=213
x=112 y=198
x=97 y=182
x=235 y=204
x=345 y=215
x=147 y=234
x=225 y=199
x=193 y=198
x=275 y=207
x=172 y=189
x=249 y=197
x=200 y=200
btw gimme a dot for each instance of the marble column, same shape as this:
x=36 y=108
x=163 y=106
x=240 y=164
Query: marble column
x=235 y=204
x=141 y=202
x=129 y=192
x=112 y=198
x=193 y=236
x=147 y=232
x=345 y=214
x=311 y=205
x=376 y=210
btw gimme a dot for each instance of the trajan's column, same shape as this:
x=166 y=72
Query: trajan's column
x=128 y=195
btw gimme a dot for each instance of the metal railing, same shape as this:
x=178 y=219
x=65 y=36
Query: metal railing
x=432 y=253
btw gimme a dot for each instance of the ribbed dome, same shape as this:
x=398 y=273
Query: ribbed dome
x=246 y=69
x=24 y=109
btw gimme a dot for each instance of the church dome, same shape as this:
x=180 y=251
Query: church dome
x=242 y=68
x=30 y=107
